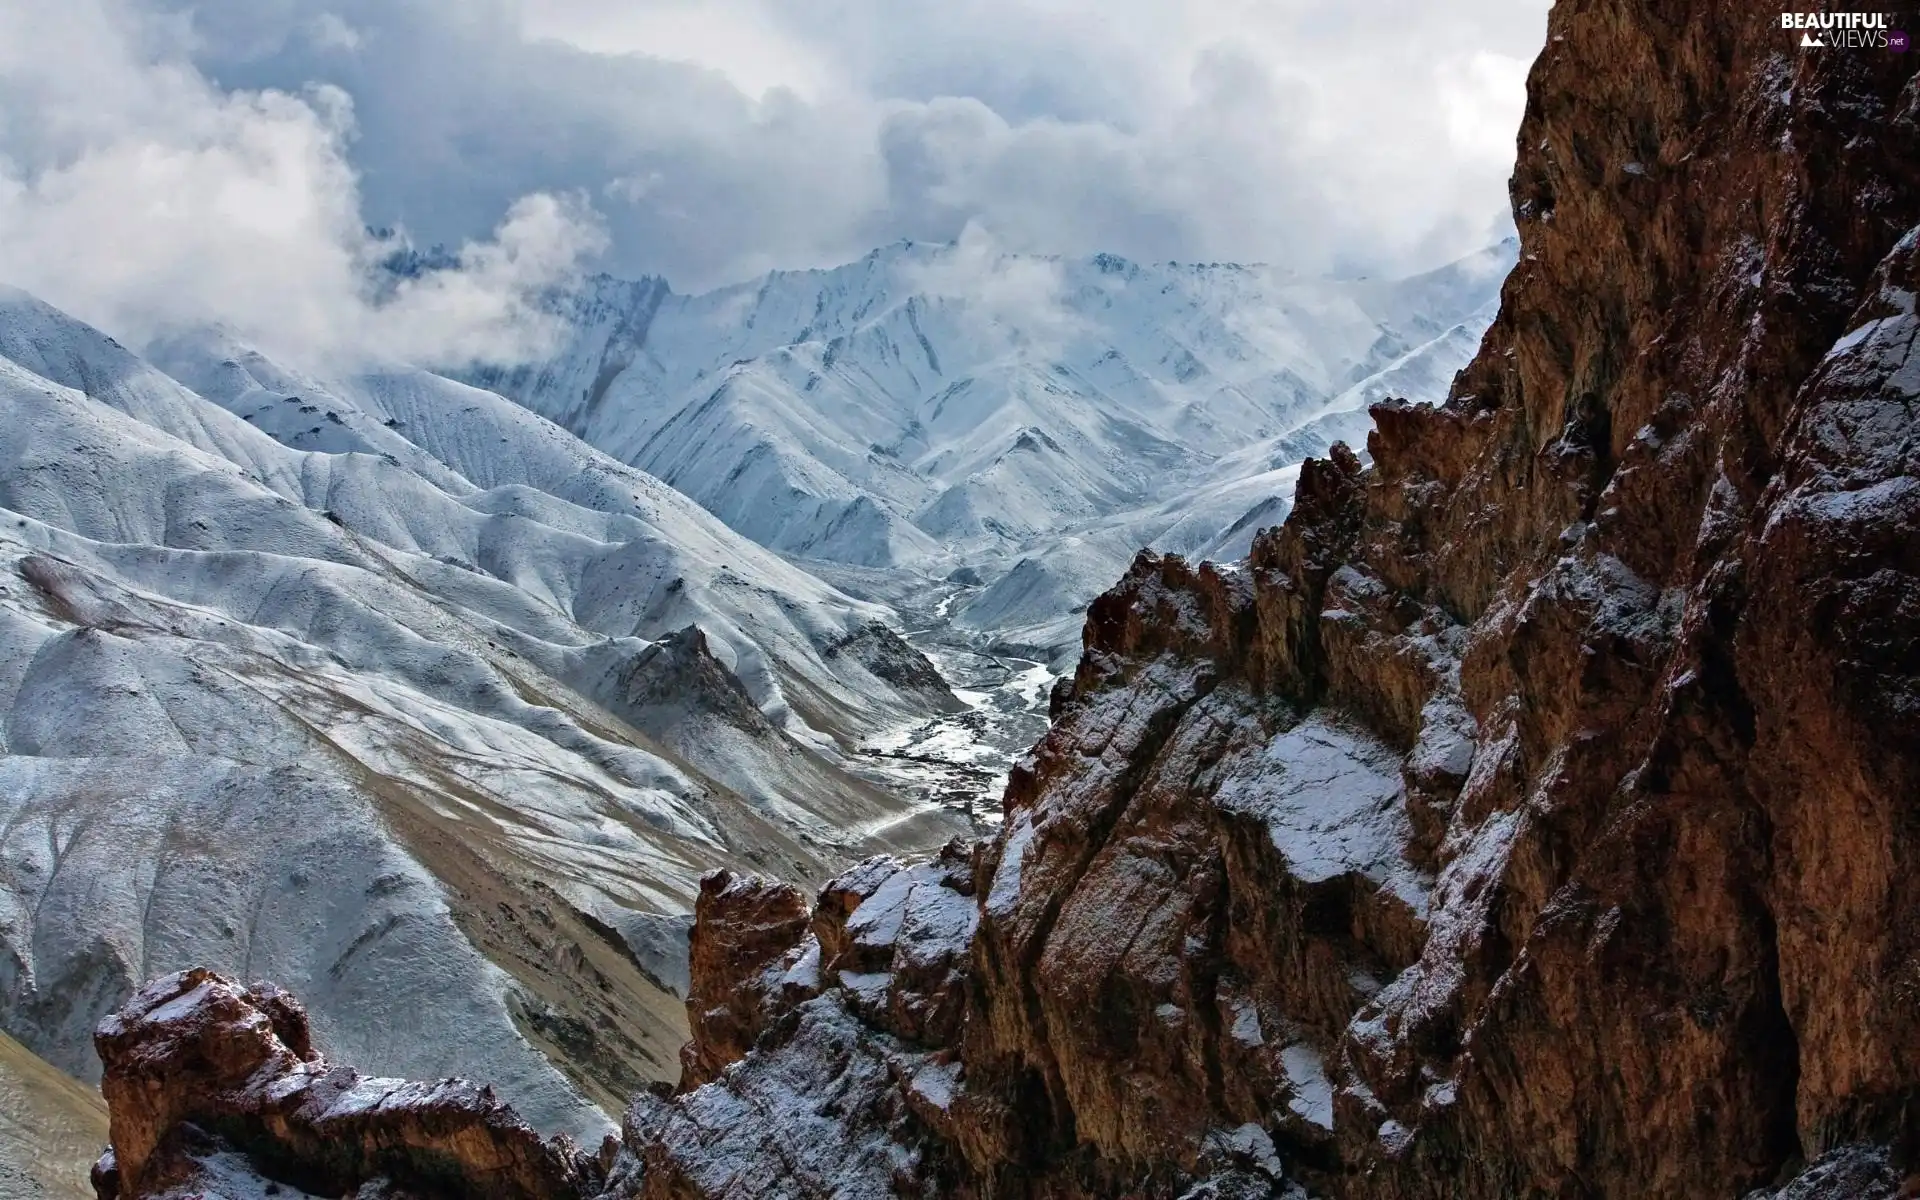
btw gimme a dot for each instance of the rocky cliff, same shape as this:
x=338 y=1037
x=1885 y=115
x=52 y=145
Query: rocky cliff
x=1535 y=814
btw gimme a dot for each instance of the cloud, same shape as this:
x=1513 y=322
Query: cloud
x=328 y=32
x=710 y=140
x=143 y=198
x=486 y=306
x=1007 y=301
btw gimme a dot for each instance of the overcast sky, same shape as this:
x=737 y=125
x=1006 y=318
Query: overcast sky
x=164 y=161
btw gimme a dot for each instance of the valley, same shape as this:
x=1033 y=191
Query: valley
x=959 y=760
x=983 y=441
x=1016 y=424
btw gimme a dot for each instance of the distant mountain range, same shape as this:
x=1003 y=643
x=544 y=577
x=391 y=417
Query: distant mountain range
x=934 y=408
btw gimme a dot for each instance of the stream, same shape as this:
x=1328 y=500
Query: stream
x=960 y=760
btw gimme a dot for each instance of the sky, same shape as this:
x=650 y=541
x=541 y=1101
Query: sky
x=167 y=163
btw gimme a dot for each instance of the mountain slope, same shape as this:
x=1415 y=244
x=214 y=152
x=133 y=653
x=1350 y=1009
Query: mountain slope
x=678 y=565
x=444 y=729
x=1040 y=600
x=51 y=1128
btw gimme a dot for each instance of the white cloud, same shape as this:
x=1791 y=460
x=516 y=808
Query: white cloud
x=1010 y=301
x=736 y=38
x=143 y=198
x=486 y=308
x=722 y=138
x=1476 y=95
x=328 y=32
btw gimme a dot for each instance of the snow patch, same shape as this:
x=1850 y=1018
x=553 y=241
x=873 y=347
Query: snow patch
x=1306 y=1074
x=1332 y=802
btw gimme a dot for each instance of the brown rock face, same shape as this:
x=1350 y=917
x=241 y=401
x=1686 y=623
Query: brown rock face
x=741 y=927
x=197 y=1066
x=840 y=1096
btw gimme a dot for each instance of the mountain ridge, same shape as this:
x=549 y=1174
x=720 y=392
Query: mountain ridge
x=811 y=409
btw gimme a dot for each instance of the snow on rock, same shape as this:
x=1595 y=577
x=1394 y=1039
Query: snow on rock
x=1306 y=1072
x=1332 y=802
x=900 y=949
x=210 y=1084
x=1847 y=1172
x=840 y=1005
x=1005 y=891
x=765 y=1128
x=745 y=953
x=200 y=1070
x=1079 y=963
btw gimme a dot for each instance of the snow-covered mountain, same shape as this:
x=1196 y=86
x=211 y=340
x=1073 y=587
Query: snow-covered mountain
x=393 y=690
x=1032 y=421
x=1212 y=513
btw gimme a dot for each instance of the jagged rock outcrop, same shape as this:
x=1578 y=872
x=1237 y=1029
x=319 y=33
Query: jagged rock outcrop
x=677 y=679
x=741 y=927
x=853 y=1103
x=206 y=1079
x=890 y=657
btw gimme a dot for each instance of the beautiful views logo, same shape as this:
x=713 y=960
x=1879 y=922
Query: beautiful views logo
x=1845 y=31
